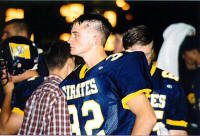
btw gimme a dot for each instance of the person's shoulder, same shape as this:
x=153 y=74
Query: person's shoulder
x=73 y=76
x=168 y=83
x=126 y=57
x=167 y=75
x=168 y=80
x=75 y=73
x=135 y=54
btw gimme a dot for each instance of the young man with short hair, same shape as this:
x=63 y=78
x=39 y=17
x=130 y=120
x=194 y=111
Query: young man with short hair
x=106 y=94
x=167 y=96
x=46 y=111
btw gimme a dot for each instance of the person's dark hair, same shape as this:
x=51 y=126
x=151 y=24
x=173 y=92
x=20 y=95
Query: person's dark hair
x=20 y=25
x=103 y=24
x=137 y=35
x=120 y=29
x=57 y=54
x=190 y=43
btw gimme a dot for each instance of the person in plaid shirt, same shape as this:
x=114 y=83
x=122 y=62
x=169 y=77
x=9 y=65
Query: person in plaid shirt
x=46 y=111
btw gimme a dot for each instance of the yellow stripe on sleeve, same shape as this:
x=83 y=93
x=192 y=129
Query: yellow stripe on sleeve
x=17 y=110
x=129 y=97
x=181 y=123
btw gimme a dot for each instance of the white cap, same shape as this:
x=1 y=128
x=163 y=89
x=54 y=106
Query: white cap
x=169 y=52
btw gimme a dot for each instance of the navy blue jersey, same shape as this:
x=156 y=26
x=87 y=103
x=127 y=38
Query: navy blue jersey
x=168 y=100
x=97 y=97
x=23 y=91
x=194 y=99
x=42 y=67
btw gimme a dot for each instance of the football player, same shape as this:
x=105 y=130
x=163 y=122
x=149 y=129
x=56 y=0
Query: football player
x=167 y=97
x=19 y=27
x=15 y=27
x=18 y=55
x=105 y=95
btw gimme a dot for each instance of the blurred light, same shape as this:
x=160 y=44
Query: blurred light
x=64 y=10
x=120 y=3
x=126 y=7
x=129 y=16
x=111 y=16
x=32 y=37
x=64 y=36
x=72 y=11
x=110 y=43
x=13 y=13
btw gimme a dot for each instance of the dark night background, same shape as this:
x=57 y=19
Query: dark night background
x=47 y=24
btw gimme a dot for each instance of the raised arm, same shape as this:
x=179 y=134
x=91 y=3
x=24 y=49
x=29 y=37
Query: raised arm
x=10 y=122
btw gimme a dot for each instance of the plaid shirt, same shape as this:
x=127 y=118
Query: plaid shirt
x=46 y=111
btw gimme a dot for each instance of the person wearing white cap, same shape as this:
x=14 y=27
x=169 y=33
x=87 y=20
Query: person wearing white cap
x=173 y=37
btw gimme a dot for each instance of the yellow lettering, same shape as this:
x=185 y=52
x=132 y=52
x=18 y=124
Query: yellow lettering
x=82 y=89
x=93 y=87
x=77 y=91
x=73 y=95
x=162 y=100
x=154 y=98
x=68 y=94
x=158 y=101
x=87 y=91
x=86 y=88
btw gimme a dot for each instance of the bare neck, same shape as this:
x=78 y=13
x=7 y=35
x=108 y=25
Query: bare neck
x=94 y=56
x=62 y=73
x=57 y=72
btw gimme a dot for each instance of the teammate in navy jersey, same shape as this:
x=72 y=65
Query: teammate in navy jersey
x=18 y=54
x=195 y=92
x=106 y=94
x=167 y=97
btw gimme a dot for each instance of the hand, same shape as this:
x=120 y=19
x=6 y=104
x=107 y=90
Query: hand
x=8 y=83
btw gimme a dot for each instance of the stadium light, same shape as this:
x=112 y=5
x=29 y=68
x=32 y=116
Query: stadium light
x=111 y=16
x=13 y=13
x=110 y=43
x=126 y=7
x=129 y=16
x=72 y=11
x=120 y=3
x=32 y=37
x=64 y=36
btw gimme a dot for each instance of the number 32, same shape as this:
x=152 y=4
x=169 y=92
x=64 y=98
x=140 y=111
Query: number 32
x=95 y=123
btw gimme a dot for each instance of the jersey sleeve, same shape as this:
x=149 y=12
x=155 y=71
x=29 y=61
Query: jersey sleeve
x=134 y=77
x=176 y=117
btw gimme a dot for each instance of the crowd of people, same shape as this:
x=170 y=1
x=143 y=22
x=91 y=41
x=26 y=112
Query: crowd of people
x=125 y=93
